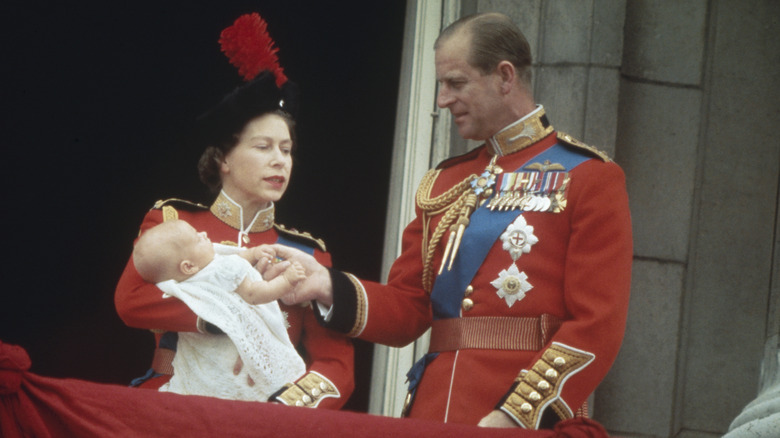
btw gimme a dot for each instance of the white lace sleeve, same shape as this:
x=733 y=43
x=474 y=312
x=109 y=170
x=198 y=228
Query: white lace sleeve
x=257 y=332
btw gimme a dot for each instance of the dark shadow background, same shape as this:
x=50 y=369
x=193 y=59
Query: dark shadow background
x=96 y=101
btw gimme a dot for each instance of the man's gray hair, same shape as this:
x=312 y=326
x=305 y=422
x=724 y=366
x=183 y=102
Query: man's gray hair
x=494 y=38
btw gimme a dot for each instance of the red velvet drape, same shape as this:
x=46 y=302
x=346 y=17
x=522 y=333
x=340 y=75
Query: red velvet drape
x=42 y=407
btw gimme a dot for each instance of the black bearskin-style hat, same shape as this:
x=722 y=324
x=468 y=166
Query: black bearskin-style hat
x=249 y=48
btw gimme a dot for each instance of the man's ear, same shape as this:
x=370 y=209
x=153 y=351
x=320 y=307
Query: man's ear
x=506 y=71
x=188 y=268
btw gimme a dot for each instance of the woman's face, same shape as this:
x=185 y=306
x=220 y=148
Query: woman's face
x=257 y=171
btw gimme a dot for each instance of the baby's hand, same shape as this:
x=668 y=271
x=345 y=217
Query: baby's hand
x=295 y=273
x=264 y=257
x=263 y=254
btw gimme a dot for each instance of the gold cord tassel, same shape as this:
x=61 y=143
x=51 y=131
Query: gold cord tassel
x=456 y=232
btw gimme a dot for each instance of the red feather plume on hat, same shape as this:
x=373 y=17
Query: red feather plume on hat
x=250 y=48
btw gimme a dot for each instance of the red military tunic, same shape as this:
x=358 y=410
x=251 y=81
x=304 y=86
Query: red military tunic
x=576 y=272
x=329 y=356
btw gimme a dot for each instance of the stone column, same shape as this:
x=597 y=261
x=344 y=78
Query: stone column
x=698 y=110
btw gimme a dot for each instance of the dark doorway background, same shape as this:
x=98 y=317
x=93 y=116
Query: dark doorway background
x=96 y=99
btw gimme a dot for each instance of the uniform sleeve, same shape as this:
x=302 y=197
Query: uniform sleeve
x=597 y=280
x=141 y=304
x=330 y=377
x=372 y=311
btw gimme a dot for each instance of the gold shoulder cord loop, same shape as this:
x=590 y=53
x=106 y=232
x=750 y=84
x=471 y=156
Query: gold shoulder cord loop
x=451 y=203
x=457 y=203
x=424 y=200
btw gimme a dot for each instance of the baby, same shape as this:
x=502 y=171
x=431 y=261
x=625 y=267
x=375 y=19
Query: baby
x=227 y=291
x=175 y=250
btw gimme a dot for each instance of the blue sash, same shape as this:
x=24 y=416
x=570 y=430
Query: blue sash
x=293 y=244
x=485 y=227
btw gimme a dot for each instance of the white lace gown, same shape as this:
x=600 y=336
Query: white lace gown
x=203 y=364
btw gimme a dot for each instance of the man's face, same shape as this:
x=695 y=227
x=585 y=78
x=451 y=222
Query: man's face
x=475 y=100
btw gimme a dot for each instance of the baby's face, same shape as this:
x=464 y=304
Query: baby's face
x=200 y=250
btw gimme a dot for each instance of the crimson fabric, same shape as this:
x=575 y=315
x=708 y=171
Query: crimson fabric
x=42 y=407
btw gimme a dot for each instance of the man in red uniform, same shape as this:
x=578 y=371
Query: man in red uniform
x=519 y=257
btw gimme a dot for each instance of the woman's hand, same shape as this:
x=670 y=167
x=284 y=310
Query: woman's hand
x=316 y=286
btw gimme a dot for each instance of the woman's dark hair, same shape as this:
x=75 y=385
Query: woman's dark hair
x=212 y=157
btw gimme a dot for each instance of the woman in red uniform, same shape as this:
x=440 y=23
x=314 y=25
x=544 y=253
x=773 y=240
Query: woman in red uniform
x=247 y=161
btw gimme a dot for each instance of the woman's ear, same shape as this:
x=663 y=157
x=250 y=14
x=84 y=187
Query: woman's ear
x=188 y=268
x=224 y=167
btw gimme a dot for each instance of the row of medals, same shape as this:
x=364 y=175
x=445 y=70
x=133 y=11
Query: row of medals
x=527 y=191
x=537 y=190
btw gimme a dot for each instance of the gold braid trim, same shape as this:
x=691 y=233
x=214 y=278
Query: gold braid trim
x=362 y=307
x=541 y=386
x=424 y=200
x=308 y=391
x=451 y=203
x=169 y=213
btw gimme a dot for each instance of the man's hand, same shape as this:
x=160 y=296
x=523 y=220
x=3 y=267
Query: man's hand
x=497 y=418
x=295 y=273
x=316 y=286
x=265 y=262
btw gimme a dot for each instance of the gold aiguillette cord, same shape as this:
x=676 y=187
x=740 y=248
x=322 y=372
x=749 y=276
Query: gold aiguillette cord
x=481 y=187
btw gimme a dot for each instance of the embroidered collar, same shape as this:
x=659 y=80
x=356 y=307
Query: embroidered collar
x=229 y=212
x=521 y=133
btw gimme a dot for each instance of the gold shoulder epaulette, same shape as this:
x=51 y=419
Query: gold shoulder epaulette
x=179 y=203
x=169 y=206
x=571 y=141
x=301 y=235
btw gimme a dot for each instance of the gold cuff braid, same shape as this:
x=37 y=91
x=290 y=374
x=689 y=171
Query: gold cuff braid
x=541 y=387
x=309 y=391
x=361 y=307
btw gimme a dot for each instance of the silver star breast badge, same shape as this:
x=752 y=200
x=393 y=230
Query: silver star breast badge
x=518 y=238
x=512 y=285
